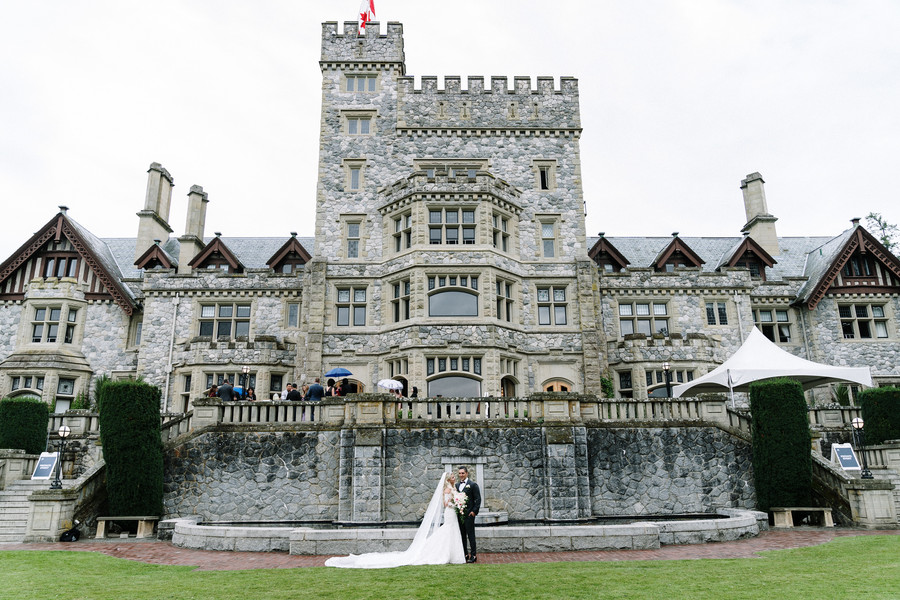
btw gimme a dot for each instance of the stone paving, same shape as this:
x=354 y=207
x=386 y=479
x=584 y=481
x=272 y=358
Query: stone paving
x=164 y=553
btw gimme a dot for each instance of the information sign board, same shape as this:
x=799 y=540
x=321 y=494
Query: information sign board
x=46 y=464
x=843 y=455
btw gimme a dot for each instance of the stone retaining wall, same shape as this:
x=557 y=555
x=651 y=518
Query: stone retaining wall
x=387 y=474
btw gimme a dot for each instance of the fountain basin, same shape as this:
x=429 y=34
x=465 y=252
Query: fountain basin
x=641 y=534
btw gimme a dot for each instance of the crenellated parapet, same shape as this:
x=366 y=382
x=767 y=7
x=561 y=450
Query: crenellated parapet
x=347 y=47
x=524 y=107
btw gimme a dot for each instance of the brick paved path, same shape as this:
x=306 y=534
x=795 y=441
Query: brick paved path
x=164 y=553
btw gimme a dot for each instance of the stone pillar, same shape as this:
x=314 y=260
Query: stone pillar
x=566 y=473
x=367 y=479
x=872 y=502
x=207 y=412
x=51 y=513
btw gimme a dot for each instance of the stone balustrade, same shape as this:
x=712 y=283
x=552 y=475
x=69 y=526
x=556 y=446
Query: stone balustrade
x=832 y=416
x=16 y=465
x=380 y=409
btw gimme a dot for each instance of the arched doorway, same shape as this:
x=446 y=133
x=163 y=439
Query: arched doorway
x=508 y=387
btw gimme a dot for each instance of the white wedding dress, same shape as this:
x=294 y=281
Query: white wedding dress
x=434 y=543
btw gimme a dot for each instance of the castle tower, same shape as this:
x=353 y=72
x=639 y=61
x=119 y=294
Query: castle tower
x=449 y=228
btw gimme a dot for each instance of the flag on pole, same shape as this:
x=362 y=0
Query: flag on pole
x=366 y=14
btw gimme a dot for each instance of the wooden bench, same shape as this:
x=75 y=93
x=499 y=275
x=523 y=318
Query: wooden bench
x=784 y=517
x=146 y=525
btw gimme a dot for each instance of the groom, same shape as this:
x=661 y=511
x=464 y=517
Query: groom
x=473 y=503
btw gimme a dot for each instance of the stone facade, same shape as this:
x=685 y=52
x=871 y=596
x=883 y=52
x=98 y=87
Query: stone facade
x=450 y=253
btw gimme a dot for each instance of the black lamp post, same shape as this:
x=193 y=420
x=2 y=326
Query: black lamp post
x=666 y=367
x=860 y=434
x=246 y=371
x=63 y=432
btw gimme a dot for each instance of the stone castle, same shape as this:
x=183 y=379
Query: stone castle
x=450 y=254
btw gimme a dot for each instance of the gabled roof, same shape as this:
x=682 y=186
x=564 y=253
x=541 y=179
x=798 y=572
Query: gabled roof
x=292 y=245
x=747 y=244
x=91 y=250
x=604 y=245
x=158 y=254
x=217 y=245
x=823 y=264
x=677 y=245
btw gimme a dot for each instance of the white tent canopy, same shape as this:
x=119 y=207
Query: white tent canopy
x=758 y=358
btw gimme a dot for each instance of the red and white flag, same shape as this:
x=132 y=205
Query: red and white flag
x=366 y=14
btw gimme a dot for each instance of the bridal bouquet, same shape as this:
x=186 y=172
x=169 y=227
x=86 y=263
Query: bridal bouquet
x=459 y=504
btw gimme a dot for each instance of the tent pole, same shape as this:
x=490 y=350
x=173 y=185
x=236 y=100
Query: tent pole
x=730 y=389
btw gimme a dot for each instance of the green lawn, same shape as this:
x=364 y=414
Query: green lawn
x=852 y=567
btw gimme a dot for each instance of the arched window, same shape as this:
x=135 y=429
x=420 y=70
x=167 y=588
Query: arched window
x=454 y=386
x=557 y=385
x=453 y=303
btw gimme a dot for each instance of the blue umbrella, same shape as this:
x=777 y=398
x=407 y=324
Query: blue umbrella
x=338 y=372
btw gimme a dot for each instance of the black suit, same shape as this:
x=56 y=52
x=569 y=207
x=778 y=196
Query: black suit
x=467 y=526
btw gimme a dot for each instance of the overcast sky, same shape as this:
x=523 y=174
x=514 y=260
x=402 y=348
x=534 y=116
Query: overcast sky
x=680 y=100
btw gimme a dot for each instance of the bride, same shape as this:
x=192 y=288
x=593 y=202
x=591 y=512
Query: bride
x=434 y=543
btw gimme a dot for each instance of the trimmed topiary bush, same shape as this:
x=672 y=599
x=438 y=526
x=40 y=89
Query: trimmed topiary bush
x=782 y=464
x=881 y=414
x=132 y=449
x=23 y=424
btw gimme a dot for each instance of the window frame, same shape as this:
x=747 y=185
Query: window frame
x=635 y=317
x=552 y=240
x=358 y=123
x=359 y=166
x=773 y=329
x=352 y=305
x=400 y=300
x=458 y=225
x=872 y=321
x=552 y=304
x=716 y=312
x=544 y=174
x=371 y=83
x=217 y=319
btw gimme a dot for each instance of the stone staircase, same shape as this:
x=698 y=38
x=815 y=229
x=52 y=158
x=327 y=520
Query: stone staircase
x=14 y=508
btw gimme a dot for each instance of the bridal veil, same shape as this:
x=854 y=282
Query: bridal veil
x=417 y=551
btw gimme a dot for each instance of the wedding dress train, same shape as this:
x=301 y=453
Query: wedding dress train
x=434 y=543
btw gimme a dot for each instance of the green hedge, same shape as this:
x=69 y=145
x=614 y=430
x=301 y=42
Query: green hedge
x=881 y=414
x=129 y=430
x=23 y=424
x=782 y=464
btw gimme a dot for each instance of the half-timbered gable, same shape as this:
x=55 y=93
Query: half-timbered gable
x=216 y=255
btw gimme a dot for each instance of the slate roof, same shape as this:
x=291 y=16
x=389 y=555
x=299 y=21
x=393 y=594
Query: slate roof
x=252 y=252
x=820 y=259
x=642 y=252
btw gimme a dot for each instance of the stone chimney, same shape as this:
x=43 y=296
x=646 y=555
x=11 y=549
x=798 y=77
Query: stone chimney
x=192 y=240
x=760 y=224
x=154 y=219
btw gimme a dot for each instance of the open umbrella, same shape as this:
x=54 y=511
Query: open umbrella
x=338 y=372
x=390 y=384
